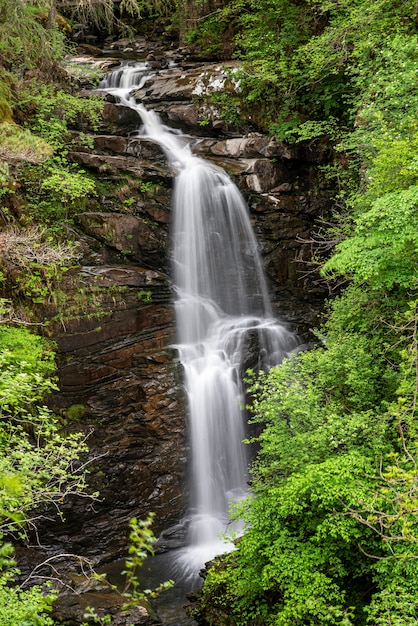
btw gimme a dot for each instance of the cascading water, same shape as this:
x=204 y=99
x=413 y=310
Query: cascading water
x=222 y=310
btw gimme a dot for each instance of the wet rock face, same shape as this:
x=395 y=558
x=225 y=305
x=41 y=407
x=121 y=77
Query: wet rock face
x=130 y=235
x=118 y=372
x=121 y=383
x=180 y=95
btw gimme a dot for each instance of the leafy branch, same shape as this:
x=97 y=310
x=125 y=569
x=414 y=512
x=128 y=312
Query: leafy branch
x=142 y=540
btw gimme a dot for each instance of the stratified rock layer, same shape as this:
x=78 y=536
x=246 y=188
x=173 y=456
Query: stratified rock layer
x=119 y=373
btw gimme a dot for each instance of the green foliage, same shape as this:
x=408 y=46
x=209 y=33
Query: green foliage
x=226 y=106
x=161 y=8
x=142 y=540
x=144 y=295
x=33 y=263
x=56 y=188
x=380 y=232
x=35 y=459
x=24 y=607
x=383 y=249
x=147 y=186
x=28 y=352
x=380 y=248
x=345 y=72
x=30 y=607
x=52 y=111
x=306 y=554
x=319 y=66
x=331 y=528
x=21 y=144
x=6 y=188
x=210 y=33
x=106 y=15
x=67 y=186
x=6 y=84
x=56 y=192
x=387 y=82
x=75 y=412
x=37 y=463
x=27 y=41
x=61 y=184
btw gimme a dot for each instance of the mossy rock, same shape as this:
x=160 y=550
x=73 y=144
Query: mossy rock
x=61 y=22
x=5 y=111
x=6 y=82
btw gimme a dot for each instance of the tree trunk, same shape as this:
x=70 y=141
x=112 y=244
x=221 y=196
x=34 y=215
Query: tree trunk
x=52 y=15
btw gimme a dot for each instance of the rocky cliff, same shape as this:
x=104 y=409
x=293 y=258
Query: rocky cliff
x=120 y=380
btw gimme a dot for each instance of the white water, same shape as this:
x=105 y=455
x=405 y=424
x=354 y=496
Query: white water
x=222 y=311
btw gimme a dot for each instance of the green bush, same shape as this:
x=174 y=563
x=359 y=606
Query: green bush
x=40 y=466
x=36 y=460
x=26 y=42
x=24 y=607
x=335 y=487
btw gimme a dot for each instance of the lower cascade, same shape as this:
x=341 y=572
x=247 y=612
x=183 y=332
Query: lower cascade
x=222 y=313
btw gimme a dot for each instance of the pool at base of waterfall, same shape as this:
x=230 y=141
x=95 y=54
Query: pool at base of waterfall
x=170 y=605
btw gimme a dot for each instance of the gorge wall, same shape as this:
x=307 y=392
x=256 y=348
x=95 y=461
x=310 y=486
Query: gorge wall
x=120 y=380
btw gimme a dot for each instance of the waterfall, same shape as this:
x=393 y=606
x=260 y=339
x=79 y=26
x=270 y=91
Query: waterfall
x=222 y=311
